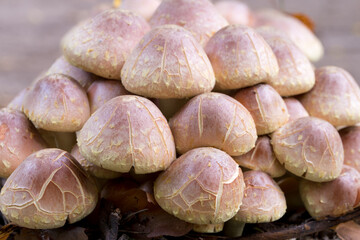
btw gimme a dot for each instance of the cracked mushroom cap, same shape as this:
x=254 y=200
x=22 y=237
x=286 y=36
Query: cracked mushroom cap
x=295 y=109
x=46 y=190
x=310 y=148
x=214 y=120
x=265 y=106
x=57 y=103
x=101 y=44
x=262 y=158
x=200 y=17
x=240 y=58
x=350 y=137
x=332 y=198
x=263 y=200
x=18 y=139
x=334 y=98
x=203 y=186
x=235 y=12
x=168 y=63
x=128 y=131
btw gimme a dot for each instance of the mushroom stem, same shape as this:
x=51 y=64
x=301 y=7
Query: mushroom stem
x=233 y=228
x=208 y=228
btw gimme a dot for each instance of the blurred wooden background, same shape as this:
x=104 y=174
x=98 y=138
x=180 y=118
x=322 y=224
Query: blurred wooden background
x=30 y=32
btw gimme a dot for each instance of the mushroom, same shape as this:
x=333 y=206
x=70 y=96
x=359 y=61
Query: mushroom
x=295 y=109
x=214 y=120
x=57 y=103
x=47 y=189
x=208 y=228
x=310 y=148
x=235 y=12
x=332 y=198
x=101 y=44
x=128 y=131
x=262 y=158
x=169 y=107
x=296 y=74
x=240 y=58
x=200 y=17
x=18 y=139
x=17 y=103
x=265 y=106
x=168 y=63
x=203 y=186
x=61 y=140
x=350 y=137
x=144 y=8
x=290 y=187
x=334 y=98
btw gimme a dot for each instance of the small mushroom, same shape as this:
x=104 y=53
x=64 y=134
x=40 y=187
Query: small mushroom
x=240 y=58
x=334 y=98
x=350 y=137
x=214 y=120
x=235 y=12
x=48 y=189
x=128 y=131
x=168 y=63
x=310 y=148
x=200 y=17
x=295 y=109
x=203 y=186
x=265 y=106
x=144 y=8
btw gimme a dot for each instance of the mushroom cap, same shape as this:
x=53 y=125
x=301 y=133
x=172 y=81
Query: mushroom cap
x=298 y=32
x=203 y=186
x=144 y=8
x=91 y=168
x=265 y=106
x=200 y=17
x=310 y=148
x=262 y=158
x=101 y=44
x=263 y=200
x=18 y=139
x=295 y=109
x=332 y=198
x=46 y=190
x=17 y=102
x=334 y=98
x=128 y=131
x=350 y=137
x=235 y=12
x=240 y=58
x=296 y=74
x=57 y=103
x=214 y=120
x=102 y=91
x=168 y=63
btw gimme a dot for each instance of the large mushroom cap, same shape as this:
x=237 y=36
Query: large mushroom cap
x=128 y=131
x=18 y=139
x=240 y=58
x=350 y=137
x=101 y=44
x=203 y=186
x=57 y=103
x=235 y=12
x=295 y=109
x=46 y=190
x=310 y=148
x=263 y=200
x=168 y=63
x=334 y=98
x=214 y=120
x=200 y=17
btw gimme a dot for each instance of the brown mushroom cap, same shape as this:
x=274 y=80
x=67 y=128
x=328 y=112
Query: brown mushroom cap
x=57 y=103
x=295 y=109
x=332 y=198
x=299 y=33
x=203 y=186
x=214 y=120
x=18 y=139
x=265 y=106
x=46 y=190
x=310 y=148
x=101 y=44
x=235 y=12
x=263 y=199
x=128 y=131
x=102 y=91
x=200 y=17
x=144 y=8
x=17 y=103
x=296 y=74
x=240 y=58
x=334 y=98
x=168 y=63
x=262 y=158
x=92 y=168
x=350 y=137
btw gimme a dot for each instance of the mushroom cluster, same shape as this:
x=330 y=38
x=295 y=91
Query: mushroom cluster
x=208 y=106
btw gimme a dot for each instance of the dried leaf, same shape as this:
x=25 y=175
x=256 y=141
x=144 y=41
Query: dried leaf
x=148 y=188
x=348 y=231
x=6 y=230
x=29 y=234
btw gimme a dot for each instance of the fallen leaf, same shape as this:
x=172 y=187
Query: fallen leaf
x=6 y=230
x=348 y=231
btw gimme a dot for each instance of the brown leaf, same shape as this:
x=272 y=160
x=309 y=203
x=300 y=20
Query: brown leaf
x=348 y=231
x=68 y=233
x=29 y=234
x=148 y=188
x=6 y=230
